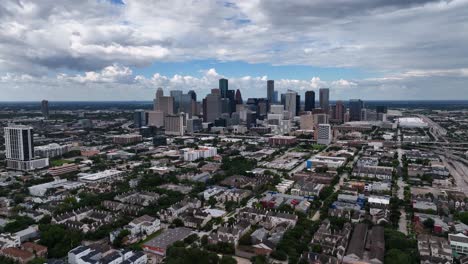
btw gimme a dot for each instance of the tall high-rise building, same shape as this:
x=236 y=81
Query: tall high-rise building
x=275 y=97
x=166 y=105
x=159 y=93
x=290 y=103
x=309 y=101
x=223 y=86
x=271 y=91
x=193 y=95
x=340 y=111
x=298 y=104
x=45 y=109
x=186 y=104
x=177 y=95
x=355 y=109
x=239 y=97
x=174 y=125
x=212 y=107
x=324 y=99
x=139 y=118
x=231 y=95
x=19 y=149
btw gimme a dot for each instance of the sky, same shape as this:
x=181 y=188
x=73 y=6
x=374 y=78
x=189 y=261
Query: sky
x=93 y=50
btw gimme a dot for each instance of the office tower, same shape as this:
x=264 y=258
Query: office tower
x=159 y=93
x=155 y=118
x=212 y=107
x=239 y=97
x=166 y=105
x=277 y=109
x=225 y=105
x=271 y=91
x=355 y=110
x=306 y=121
x=177 y=95
x=174 y=125
x=223 y=87
x=320 y=118
x=324 y=99
x=275 y=97
x=309 y=101
x=139 y=118
x=194 y=125
x=186 y=104
x=324 y=134
x=298 y=104
x=19 y=149
x=231 y=95
x=193 y=95
x=290 y=102
x=45 y=109
x=339 y=111
x=262 y=108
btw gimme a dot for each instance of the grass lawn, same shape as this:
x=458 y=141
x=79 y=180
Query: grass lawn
x=60 y=162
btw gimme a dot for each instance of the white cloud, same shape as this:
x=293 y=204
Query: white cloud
x=404 y=41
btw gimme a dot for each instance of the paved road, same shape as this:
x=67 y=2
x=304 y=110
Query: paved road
x=402 y=224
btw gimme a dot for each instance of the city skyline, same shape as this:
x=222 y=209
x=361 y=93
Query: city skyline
x=112 y=50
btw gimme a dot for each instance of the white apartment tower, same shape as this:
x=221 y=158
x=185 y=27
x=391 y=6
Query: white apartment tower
x=19 y=149
x=324 y=134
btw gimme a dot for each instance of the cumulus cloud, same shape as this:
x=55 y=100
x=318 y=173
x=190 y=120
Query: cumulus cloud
x=117 y=82
x=400 y=40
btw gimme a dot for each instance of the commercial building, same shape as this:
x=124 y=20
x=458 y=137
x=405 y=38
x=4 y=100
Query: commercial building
x=309 y=101
x=459 y=243
x=127 y=139
x=202 y=152
x=290 y=103
x=282 y=140
x=324 y=134
x=339 y=112
x=174 y=125
x=211 y=107
x=88 y=254
x=140 y=118
x=159 y=244
x=324 y=99
x=411 y=122
x=330 y=162
x=223 y=87
x=51 y=150
x=355 y=110
x=166 y=105
x=103 y=176
x=19 y=149
x=63 y=169
x=155 y=118
x=271 y=91
x=41 y=189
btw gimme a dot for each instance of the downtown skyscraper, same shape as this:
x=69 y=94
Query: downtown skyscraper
x=271 y=91
x=324 y=99
x=309 y=101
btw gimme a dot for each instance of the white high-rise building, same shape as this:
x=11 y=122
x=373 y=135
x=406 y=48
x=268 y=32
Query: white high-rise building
x=290 y=103
x=324 y=134
x=19 y=149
